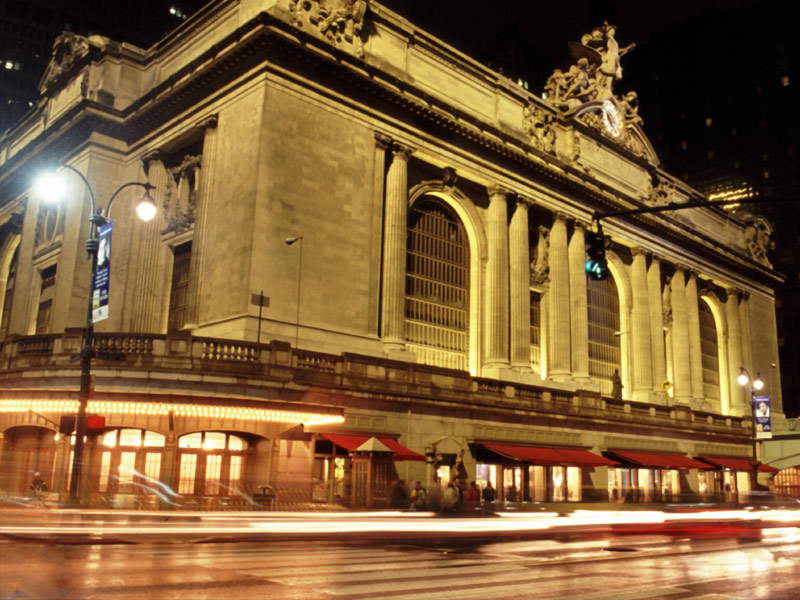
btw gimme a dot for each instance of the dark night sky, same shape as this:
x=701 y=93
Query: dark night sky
x=470 y=25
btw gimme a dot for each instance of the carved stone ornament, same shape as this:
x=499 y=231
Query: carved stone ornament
x=585 y=91
x=69 y=51
x=540 y=264
x=340 y=21
x=538 y=124
x=180 y=198
x=666 y=302
x=663 y=192
x=757 y=239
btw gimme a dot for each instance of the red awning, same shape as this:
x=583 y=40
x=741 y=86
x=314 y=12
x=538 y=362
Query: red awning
x=551 y=456
x=661 y=461
x=737 y=464
x=351 y=442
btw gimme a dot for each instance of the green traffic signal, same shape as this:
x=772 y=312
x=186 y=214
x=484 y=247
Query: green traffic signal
x=596 y=267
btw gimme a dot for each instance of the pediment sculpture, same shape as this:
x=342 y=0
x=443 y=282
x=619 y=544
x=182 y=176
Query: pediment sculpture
x=585 y=92
x=69 y=50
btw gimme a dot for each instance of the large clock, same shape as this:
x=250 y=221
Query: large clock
x=611 y=119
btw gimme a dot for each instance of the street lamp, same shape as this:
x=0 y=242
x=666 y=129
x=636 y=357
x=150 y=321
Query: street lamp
x=289 y=242
x=51 y=188
x=755 y=385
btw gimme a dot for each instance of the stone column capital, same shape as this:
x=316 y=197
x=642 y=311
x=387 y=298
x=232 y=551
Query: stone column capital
x=639 y=251
x=402 y=151
x=580 y=224
x=152 y=158
x=209 y=122
x=524 y=200
x=382 y=140
x=499 y=190
x=560 y=216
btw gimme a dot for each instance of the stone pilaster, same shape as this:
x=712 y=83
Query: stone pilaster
x=560 y=339
x=497 y=279
x=201 y=221
x=656 y=323
x=382 y=143
x=738 y=393
x=695 y=345
x=147 y=309
x=746 y=337
x=579 y=311
x=682 y=385
x=640 y=326
x=520 y=285
x=395 y=228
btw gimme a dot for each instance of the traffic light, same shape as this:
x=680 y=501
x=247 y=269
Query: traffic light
x=95 y=424
x=67 y=425
x=596 y=267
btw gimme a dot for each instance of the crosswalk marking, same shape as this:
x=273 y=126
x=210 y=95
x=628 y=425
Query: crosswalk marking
x=481 y=590
x=339 y=577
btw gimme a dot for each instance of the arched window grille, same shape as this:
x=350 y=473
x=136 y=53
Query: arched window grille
x=437 y=286
x=604 y=333
x=211 y=463
x=710 y=353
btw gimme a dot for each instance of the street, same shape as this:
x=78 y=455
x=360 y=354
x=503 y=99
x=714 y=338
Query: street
x=604 y=569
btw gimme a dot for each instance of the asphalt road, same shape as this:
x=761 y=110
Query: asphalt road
x=630 y=568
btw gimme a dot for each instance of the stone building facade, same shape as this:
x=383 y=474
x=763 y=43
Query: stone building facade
x=368 y=264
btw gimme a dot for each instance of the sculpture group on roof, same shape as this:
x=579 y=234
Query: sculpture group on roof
x=592 y=76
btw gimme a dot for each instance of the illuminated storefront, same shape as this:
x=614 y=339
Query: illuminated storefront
x=650 y=477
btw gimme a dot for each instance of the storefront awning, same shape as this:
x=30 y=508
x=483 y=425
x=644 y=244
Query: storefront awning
x=563 y=457
x=352 y=442
x=737 y=464
x=661 y=461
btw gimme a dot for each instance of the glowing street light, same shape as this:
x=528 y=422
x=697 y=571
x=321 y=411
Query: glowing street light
x=51 y=187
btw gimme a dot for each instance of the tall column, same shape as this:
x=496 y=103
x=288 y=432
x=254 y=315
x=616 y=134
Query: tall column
x=146 y=313
x=695 y=345
x=201 y=220
x=739 y=401
x=382 y=143
x=520 y=286
x=641 y=331
x=560 y=362
x=656 y=323
x=497 y=283
x=395 y=228
x=682 y=385
x=579 y=310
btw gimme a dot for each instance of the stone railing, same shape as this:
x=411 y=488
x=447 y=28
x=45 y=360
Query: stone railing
x=279 y=362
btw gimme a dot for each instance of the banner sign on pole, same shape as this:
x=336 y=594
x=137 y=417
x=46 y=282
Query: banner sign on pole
x=101 y=275
x=761 y=405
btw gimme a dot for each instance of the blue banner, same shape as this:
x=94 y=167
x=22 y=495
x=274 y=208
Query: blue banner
x=101 y=275
x=761 y=405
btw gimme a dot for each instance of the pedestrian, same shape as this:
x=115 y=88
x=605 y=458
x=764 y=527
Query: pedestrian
x=38 y=486
x=400 y=495
x=451 y=501
x=419 y=500
x=473 y=497
x=489 y=493
x=512 y=493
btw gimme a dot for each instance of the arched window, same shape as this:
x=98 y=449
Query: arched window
x=604 y=333
x=437 y=286
x=710 y=354
x=130 y=462
x=211 y=463
x=9 y=295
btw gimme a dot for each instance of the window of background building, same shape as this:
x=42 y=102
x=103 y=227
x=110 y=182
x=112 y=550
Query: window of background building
x=179 y=293
x=437 y=286
x=46 y=299
x=604 y=334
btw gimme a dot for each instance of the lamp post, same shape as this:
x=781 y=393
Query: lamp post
x=289 y=242
x=51 y=188
x=755 y=385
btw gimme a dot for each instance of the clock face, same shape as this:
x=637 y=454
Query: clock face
x=611 y=119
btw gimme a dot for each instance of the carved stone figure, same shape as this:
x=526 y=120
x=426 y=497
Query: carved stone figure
x=666 y=301
x=538 y=124
x=630 y=108
x=540 y=266
x=757 y=239
x=68 y=49
x=341 y=21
